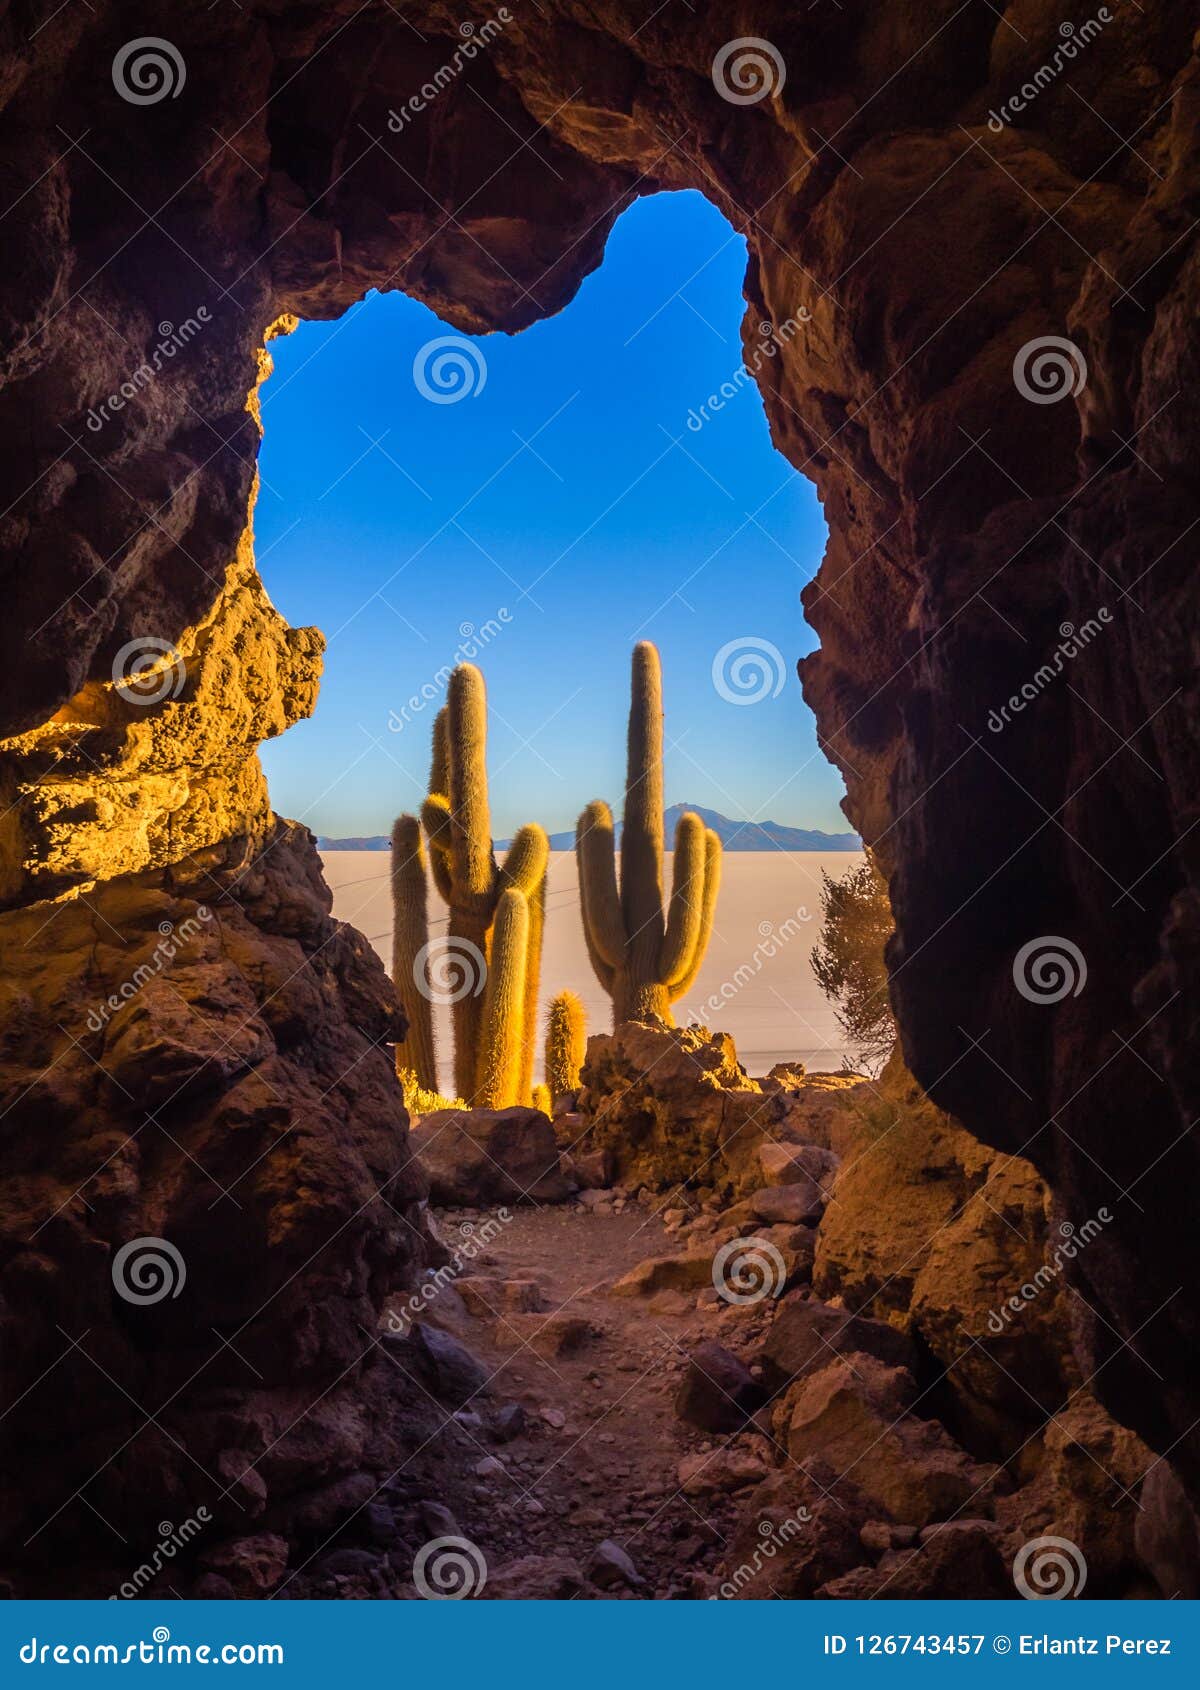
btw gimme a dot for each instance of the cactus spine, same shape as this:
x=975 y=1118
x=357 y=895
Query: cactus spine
x=566 y=1044
x=417 y=1055
x=644 y=960
x=496 y=911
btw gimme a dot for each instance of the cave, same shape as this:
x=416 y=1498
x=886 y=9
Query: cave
x=991 y=395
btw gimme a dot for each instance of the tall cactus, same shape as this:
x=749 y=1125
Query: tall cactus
x=417 y=1055
x=494 y=1028
x=645 y=961
x=566 y=1044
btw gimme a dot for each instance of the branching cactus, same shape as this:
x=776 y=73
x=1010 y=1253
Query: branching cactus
x=645 y=961
x=566 y=1044
x=494 y=1023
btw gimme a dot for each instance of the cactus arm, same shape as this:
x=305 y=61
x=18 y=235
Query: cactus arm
x=600 y=902
x=439 y=763
x=708 y=905
x=417 y=1053
x=435 y=813
x=528 y=855
x=473 y=864
x=678 y=949
x=501 y=1043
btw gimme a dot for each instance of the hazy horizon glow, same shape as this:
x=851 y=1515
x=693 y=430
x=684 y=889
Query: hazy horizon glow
x=543 y=525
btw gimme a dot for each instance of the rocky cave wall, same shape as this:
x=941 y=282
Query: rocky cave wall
x=920 y=247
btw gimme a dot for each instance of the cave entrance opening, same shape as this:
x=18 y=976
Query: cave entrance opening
x=535 y=504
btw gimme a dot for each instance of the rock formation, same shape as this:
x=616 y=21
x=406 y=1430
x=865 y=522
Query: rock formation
x=911 y=232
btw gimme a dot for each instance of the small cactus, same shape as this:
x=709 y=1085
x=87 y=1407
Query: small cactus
x=566 y=1044
x=645 y=961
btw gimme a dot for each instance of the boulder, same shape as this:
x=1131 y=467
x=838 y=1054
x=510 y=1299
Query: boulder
x=665 y=1273
x=797 y=1164
x=721 y=1469
x=253 y=1566
x=854 y=1415
x=456 y=1376
x=717 y=1392
x=806 y=1334
x=535 y=1578
x=485 y=1296
x=961 y=1560
x=483 y=1156
x=549 y=1335
x=795 y=1531
x=791 y=1205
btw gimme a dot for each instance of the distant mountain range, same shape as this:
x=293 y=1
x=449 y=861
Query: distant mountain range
x=734 y=836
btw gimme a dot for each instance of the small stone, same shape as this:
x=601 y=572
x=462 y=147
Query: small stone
x=876 y=1536
x=508 y=1422
x=438 y=1520
x=553 y=1417
x=490 y=1468
x=609 y=1565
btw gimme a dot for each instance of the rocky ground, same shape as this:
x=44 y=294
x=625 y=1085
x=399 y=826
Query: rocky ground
x=774 y=1379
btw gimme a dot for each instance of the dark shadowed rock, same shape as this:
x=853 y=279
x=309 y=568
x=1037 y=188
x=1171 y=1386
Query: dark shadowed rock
x=717 y=1392
x=806 y=1334
x=457 y=1375
x=481 y=1156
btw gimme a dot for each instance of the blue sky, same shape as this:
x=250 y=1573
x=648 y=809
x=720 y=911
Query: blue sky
x=550 y=512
